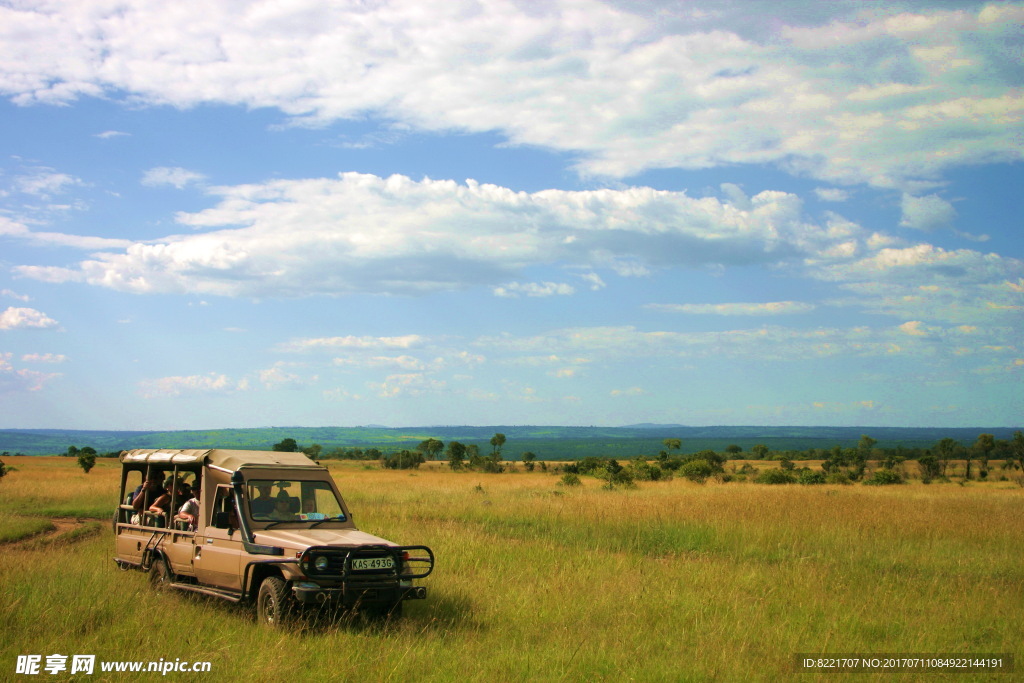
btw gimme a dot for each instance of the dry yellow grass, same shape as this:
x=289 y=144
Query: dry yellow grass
x=670 y=581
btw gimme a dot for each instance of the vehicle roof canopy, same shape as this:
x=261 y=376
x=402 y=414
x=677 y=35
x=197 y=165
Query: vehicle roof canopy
x=218 y=457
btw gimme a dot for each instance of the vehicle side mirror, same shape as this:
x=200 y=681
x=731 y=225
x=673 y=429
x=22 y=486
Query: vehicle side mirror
x=221 y=520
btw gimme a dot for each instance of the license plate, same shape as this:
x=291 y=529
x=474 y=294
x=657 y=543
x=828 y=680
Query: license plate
x=361 y=563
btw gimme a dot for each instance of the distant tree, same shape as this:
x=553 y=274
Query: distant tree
x=431 y=448
x=86 y=460
x=528 y=459
x=760 y=451
x=1017 y=448
x=497 y=442
x=733 y=450
x=313 y=451
x=3 y=468
x=984 y=446
x=865 y=446
x=72 y=451
x=947 y=449
x=930 y=467
x=456 y=455
x=286 y=446
x=673 y=444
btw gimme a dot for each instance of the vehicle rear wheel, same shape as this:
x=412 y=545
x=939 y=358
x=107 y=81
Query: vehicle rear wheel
x=274 y=606
x=159 y=575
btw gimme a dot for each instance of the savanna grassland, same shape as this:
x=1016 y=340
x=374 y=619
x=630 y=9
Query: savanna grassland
x=671 y=581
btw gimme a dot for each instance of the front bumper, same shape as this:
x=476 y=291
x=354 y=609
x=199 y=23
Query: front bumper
x=309 y=593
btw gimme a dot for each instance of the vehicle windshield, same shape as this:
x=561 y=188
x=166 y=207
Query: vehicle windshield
x=283 y=500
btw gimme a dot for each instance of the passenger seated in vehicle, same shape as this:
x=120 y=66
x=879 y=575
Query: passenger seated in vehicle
x=189 y=512
x=283 y=508
x=160 y=510
x=263 y=504
x=150 y=487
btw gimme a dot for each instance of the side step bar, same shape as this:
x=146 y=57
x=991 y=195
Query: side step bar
x=231 y=596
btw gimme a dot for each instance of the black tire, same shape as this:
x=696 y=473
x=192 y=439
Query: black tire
x=159 y=575
x=274 y=606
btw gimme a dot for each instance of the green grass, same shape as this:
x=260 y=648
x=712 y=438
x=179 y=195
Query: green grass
x=669 y=582
x=16 y=527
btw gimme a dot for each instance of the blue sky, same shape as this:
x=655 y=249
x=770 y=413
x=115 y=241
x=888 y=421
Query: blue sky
x=579 y=212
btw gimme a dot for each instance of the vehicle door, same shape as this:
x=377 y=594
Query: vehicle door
x=218 y=554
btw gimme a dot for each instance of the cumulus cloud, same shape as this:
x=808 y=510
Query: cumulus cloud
x=363 y=233
x=280 y=377
x=927 y=282
x=26 y=318
x=927 y=213
x=16 y=380
x=535 y=289
x=407 y=384
x=843 y=92
x=768 y=308
x=831 y=194
x=212 y=383
x=176 y=177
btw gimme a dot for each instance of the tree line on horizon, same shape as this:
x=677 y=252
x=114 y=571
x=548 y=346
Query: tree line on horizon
x=838 y=464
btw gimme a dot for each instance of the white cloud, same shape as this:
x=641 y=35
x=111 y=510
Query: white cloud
x=176 y=177
x=927 y=213
x=831 y=194
x=16 y=380
x=18 y=230
x=44 y=183
x=535 y=289
x=26 y=318
x=408 y=384
x=211 y=383
x=279 y=377
x=626 y=344
x=364 y=343
x=844 y=92
x=14 y=295
x=110 y=134
x=363 y=233
x=403 y=362
x=768 y=308
x=44 y=358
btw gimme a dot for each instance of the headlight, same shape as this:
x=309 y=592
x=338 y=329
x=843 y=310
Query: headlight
x=320 y=563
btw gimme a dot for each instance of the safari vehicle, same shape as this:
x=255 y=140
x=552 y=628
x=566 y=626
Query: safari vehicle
x=271 y=528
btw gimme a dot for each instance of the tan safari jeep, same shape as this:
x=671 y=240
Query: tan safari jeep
x=270 y=528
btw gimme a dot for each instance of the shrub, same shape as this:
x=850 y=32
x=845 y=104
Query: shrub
x=697 y=470
x=884 y=477
x=403 y=460
x=776 y=477
x=641 y=470
x=570 y=479
x=808 y=476
x=838 y=477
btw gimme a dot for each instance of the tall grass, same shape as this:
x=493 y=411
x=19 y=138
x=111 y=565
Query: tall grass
x=671 y=581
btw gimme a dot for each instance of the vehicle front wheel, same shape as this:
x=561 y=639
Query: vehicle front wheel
x=274 y=606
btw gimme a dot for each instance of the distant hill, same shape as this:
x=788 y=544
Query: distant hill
x=548 y=442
